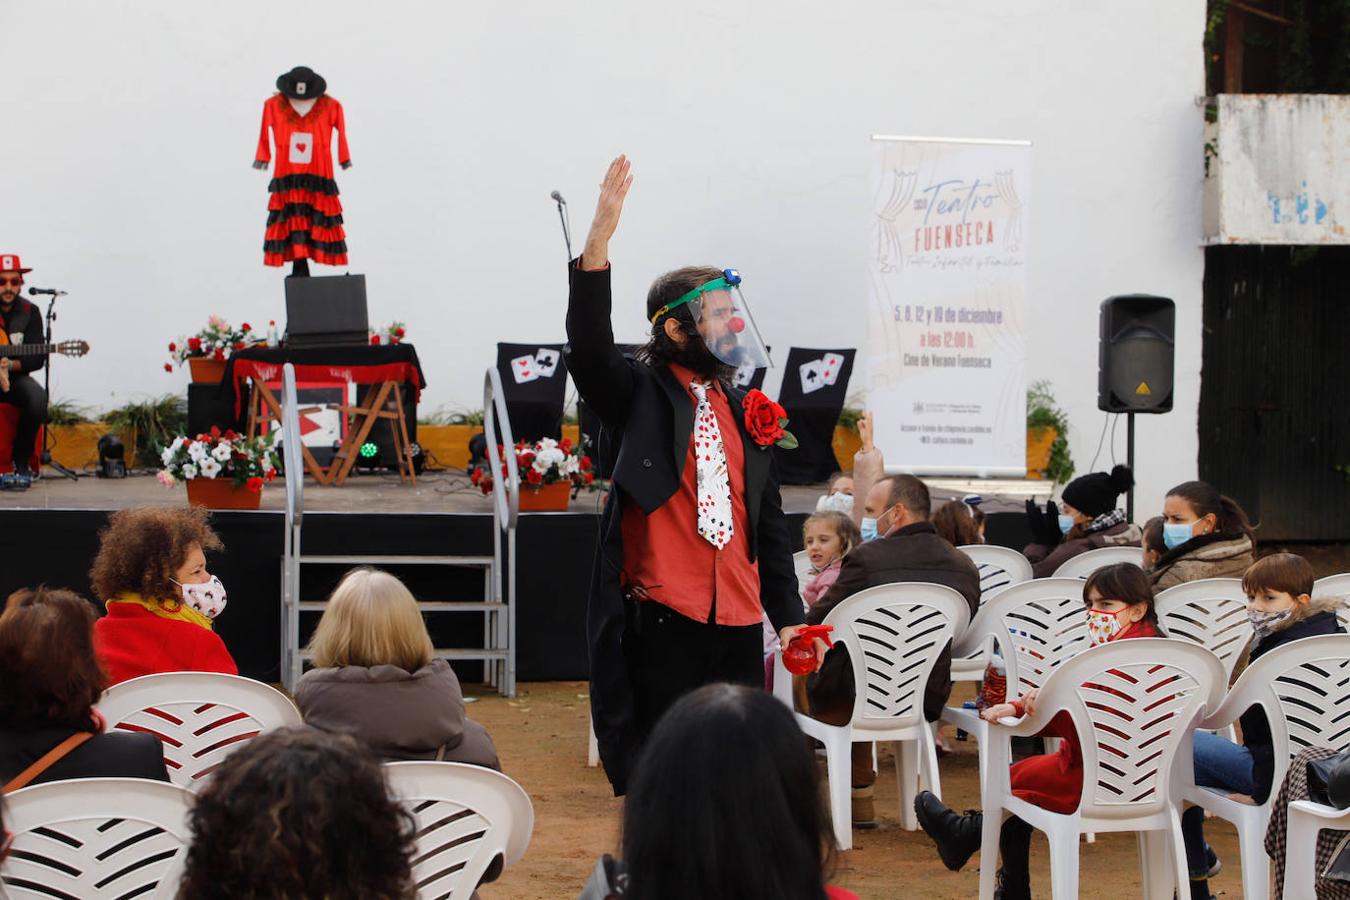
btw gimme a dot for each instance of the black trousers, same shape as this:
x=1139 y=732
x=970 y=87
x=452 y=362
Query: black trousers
x=670 y=655
x=27 y=394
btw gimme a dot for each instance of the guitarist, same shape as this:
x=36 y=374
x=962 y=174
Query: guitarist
x=20 y=323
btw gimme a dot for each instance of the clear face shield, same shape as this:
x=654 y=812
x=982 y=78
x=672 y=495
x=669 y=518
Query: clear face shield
x=723 y=319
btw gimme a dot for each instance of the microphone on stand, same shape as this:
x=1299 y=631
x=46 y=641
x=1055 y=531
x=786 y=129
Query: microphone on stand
x=51 y=292
x=562 y=217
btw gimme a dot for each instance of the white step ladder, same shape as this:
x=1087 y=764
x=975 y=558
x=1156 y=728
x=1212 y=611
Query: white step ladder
x=499 y=627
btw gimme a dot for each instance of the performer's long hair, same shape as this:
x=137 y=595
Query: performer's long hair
x=725 y=804
x=660 y=349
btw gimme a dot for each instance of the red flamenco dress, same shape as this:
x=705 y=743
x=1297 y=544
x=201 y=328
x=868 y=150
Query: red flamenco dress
x=304 y=215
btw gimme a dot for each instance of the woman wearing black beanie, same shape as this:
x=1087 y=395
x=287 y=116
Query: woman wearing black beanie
x=1086 y=519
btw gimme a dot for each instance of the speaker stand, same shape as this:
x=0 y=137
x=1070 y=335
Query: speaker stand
x=1129 y=461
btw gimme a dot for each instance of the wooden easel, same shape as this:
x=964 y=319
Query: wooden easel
x=364 y=417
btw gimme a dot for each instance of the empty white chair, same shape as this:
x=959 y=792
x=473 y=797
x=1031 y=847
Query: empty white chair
x=1084 y=564
x=999 y=568
x=96 y=837
x=1038 y=625
x=1300 y=856
x=1301 y=687
x=1336 y=586
x=466 y=816
x=1211 y=612
x=894 y=634
x=1133 y=704
x=201 y=717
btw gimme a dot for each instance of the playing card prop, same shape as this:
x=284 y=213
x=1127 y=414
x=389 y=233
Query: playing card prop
x=749 y=378
x=322 y=424
x=815 y=383
x=534 y=379
x=947 y=256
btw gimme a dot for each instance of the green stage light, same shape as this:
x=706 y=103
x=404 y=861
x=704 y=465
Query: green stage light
x=369 y=450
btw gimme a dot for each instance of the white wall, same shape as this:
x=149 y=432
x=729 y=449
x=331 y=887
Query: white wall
x=132 y=123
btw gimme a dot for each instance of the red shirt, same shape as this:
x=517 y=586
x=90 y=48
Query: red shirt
x=663 y=553
x=304 y=143
x=131 y=641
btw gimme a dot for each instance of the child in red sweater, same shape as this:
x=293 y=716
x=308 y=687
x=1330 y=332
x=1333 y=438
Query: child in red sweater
x=1119 y=602
x=151 y=573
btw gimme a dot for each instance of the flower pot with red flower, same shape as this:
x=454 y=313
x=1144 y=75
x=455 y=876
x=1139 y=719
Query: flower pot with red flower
x=207 y=351
x=222 y=469
x=389 y=335
x=550 y=473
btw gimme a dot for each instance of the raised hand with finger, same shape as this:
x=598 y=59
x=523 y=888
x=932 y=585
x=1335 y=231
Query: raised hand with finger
x=613 y=190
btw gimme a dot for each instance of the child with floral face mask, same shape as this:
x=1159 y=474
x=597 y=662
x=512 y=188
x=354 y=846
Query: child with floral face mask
x=1280 y=609
x=1118 y=602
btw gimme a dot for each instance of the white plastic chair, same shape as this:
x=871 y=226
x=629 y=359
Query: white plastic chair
x=999 y=568
x=200 y=717
x=1133 y=704
x=1084 y=564
x=1306 y=819
x=801 y=564
x=1301 y=687
x=894 y=634
x=1038 y=625
x=1336 y=586
x=1211 y=612
x=96 y=837
x=466 y=816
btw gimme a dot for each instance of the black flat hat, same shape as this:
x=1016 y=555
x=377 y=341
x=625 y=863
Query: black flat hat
x=302 y=83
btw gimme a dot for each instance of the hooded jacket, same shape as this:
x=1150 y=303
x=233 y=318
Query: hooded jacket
x=398 y=714
x=1045 y=561
x=1311 y=620
x=1207 y=556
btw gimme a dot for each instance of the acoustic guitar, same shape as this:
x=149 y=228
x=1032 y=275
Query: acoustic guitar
x=65 y=348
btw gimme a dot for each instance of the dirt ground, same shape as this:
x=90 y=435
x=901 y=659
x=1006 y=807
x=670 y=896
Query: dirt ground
x=541 y=737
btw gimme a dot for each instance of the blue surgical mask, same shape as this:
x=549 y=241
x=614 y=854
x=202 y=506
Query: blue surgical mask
x=1176 y=534
x=1065 y=524
x=868 y=527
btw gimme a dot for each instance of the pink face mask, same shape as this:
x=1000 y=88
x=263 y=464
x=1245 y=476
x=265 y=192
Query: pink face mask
x=1104 y=627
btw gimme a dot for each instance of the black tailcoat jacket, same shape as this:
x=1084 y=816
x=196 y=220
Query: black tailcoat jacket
x=647 y=425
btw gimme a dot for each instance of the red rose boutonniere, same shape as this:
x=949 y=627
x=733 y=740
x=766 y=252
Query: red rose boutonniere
x=766 y=421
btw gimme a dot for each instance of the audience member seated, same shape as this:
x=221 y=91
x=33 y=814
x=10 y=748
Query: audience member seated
x=151 y=573
x=374 y=677
x=1332 y=849
x=828 y=538
x=956 y=524
x=300 y=814
x=1281 y=609
x=1152 y=542
x=838 y=495
x=49 y=683
x=1087 y=520
x=906 y=548
x=724 y=804
x=1119 y=605
x=1207 y=535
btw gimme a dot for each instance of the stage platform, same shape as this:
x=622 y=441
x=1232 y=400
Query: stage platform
x=50 y=535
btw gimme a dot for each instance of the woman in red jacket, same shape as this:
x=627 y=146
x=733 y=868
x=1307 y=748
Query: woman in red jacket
x=161 y=601
x=1119 y=601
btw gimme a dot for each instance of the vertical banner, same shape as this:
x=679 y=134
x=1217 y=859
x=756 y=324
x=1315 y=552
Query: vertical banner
x=947 y=305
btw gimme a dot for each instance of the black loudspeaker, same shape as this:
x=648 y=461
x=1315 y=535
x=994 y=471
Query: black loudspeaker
x=380 y=435
x=211 y=404
x=1136 y=353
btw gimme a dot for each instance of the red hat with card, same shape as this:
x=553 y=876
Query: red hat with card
x=9 y=262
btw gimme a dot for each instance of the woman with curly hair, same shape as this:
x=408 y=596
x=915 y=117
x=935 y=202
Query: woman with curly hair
x=49 y=683
x=151 y=574
x=297 y=813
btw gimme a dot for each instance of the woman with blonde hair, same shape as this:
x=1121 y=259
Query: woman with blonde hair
x=374 y=677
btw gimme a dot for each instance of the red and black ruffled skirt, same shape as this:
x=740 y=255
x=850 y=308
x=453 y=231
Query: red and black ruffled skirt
x=304 y=221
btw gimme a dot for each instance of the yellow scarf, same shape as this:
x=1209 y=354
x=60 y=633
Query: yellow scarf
x=166 y=609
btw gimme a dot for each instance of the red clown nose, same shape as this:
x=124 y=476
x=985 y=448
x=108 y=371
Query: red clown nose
x=737 y=324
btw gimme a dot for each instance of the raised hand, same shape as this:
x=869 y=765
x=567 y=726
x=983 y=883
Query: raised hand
x=865 y=431
x=608 y=209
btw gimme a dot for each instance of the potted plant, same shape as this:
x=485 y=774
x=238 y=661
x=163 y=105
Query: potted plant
x=391 y=334
x=1047 y=436
x=550 y=472
x=223 y=470
x=206 y=351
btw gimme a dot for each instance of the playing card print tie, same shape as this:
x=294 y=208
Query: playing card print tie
x=714 y=484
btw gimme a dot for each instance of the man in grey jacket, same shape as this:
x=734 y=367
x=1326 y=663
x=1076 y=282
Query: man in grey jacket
x=907 y=549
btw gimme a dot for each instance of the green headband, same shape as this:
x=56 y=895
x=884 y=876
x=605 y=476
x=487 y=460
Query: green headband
x=717 y=284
